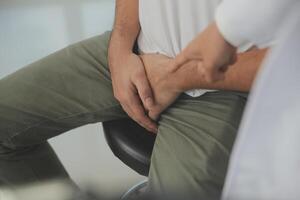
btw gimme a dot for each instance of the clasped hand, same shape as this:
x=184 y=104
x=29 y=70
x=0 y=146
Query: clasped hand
x=159 y=70
x=147 y=86
x=143 y=87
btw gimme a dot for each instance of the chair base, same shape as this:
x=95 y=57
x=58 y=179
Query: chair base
x=136 y=192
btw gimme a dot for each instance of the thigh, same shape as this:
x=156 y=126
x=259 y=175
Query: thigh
x=193 y=145
x=62 y=91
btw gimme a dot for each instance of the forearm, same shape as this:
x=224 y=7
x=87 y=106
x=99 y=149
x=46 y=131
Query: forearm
x=239 y=76
x=125 y=31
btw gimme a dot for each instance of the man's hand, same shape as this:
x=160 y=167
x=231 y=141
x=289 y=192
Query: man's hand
x=159 y=69
x=211 y=51
x=132 y=89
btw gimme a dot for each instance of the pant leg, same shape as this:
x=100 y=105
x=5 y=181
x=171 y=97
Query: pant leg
x=193 y=146
x=65 y=90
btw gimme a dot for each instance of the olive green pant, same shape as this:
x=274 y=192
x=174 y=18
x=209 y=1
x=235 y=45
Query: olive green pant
x=72 y=87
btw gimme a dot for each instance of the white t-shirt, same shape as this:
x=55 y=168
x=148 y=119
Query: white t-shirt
x=167 y=26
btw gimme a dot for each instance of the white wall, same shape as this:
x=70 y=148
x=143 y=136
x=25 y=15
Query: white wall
x=31 y=29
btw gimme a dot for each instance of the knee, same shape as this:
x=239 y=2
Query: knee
x=9 y=151
x=6 y=149
x=9 y=148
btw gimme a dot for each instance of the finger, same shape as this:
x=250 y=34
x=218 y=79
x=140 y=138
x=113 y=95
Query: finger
x=143 y=119
x=213 y=74
x=145 y=92
x=224 y=68
x=234 y=59
x=139 y=115
x=147 y=124
x=130 y=113
x=231 y=61
x=127 y=110
x=154 y=115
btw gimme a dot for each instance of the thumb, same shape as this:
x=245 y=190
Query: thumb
x=153 y=114
x=145 y=93
x=213 y=74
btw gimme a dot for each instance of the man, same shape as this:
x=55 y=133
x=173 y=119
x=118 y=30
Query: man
x=75 y=86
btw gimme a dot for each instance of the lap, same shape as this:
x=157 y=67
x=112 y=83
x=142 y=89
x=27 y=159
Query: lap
x=194 y=142
x=72 y=87
x=62 y=91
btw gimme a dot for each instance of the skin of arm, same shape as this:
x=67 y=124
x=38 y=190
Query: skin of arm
x=239 y=76
x=130 y=84
x=125 y=31
x=168 y=82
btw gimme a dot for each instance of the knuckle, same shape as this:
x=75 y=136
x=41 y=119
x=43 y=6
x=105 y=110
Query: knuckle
x=145 y=92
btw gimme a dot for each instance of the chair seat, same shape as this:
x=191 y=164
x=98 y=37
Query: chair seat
x=131 y=143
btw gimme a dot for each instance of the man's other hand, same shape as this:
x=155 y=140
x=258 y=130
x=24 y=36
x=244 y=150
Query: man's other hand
x=211 y=51
x=132 y=89
x=159 y=69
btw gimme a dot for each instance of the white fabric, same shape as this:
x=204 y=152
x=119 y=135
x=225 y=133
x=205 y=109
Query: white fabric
x=167 y=26
x=252 y=21
x=265 y=161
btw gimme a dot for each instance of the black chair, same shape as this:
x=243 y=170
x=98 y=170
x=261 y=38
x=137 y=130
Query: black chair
x=132 y=144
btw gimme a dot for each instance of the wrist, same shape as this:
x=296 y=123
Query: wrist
x=118 y=50
x=117 y=58
x=116 y=53
x=174 y=83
